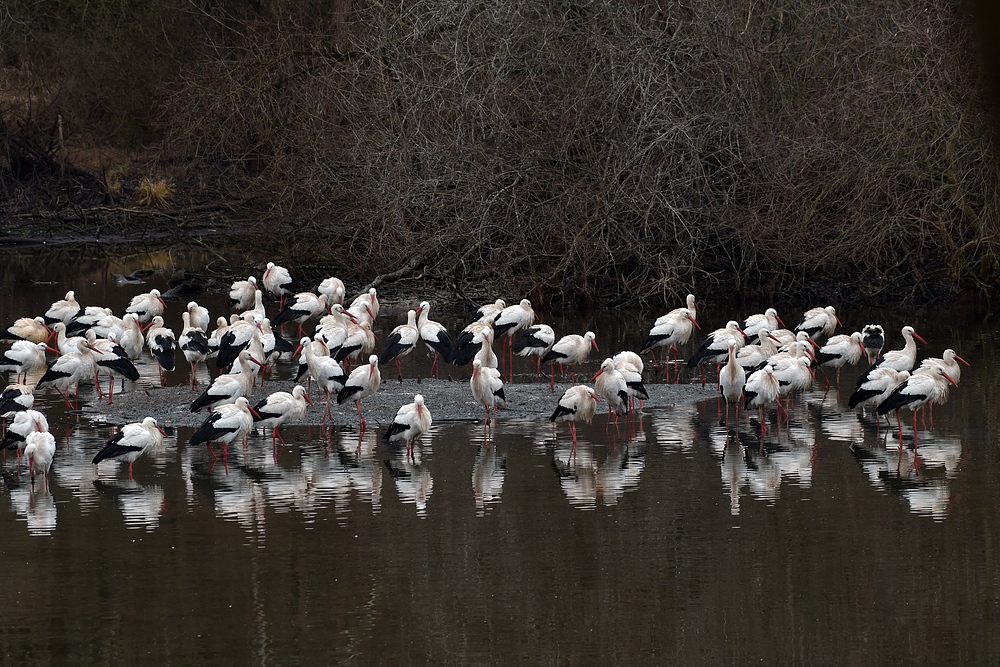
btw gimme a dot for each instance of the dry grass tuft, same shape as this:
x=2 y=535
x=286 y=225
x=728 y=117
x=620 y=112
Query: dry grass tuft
x=154 y=193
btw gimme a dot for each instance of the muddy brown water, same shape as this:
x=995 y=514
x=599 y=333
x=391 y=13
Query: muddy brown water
x=664 y=542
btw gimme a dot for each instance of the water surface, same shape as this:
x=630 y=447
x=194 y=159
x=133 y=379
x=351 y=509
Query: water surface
x=665 y=542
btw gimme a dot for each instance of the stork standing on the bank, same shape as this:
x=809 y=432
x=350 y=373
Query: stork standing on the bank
x=162 y=344
x=200 y=319
x=112 y=358
x=194 y=345
x=324 y=369
x=132 y=441
x=227 y=387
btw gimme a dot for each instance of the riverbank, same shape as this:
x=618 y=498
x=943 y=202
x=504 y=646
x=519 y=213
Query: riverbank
x=447 y=400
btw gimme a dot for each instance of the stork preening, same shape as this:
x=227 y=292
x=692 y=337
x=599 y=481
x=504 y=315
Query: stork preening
x=487 y=388
x=819 y=322
x=578 y=403
x=535 y=341
x=840 y=350
x=609 y=383
x=63 y=310
x=131 y=442
x=146 y=306
x=873 y=340
x=241 y=294
x=411 y=421
x=279 y=283
x=162 y=345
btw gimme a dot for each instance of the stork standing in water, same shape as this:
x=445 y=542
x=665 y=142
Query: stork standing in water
x=609 y=383
x=401 y=342
x=362 y=383
x=131 y=442
x=411 y=421
x=365 y=307
x=65 y=310
x=434 y=335
x=279 y=283
x=146 y=306
x=873 y=340
x=732 y=379
x=487 y=388
x=673 y=329
x=715 y=346
x=914 y=392
x=227 y=423
x=840 y=350
x=579 y=402
x=508 y=322
x=754 y=324
x=488 y=311
x=901 y=360
x=278 y=408
x=16 y=398
x=302 y=307
x=25 y=423
x=241 y=294
x=32 y=329
x=24 y=357
x=68 y=370
x=571 y=349
x=819 y=322
x=333 y=288
x=200 y=319
x=40 y=449
x=760 y=389
x=132 y=340
x=535 y=341
x=949 y=362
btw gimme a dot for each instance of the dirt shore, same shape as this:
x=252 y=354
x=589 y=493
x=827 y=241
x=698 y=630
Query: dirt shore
x=448 y=400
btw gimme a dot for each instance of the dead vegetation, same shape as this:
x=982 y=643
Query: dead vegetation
x=592 y=151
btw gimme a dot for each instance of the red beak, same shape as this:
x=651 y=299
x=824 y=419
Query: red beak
x=297 y=351
x=919 y=337
x=962 y=360
x=596 y=374
x=779 y=320
x=694 y=322
x=948 y=378
x=594 y=343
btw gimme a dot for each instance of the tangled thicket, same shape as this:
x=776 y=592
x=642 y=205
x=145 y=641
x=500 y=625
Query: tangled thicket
x=598 y=150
